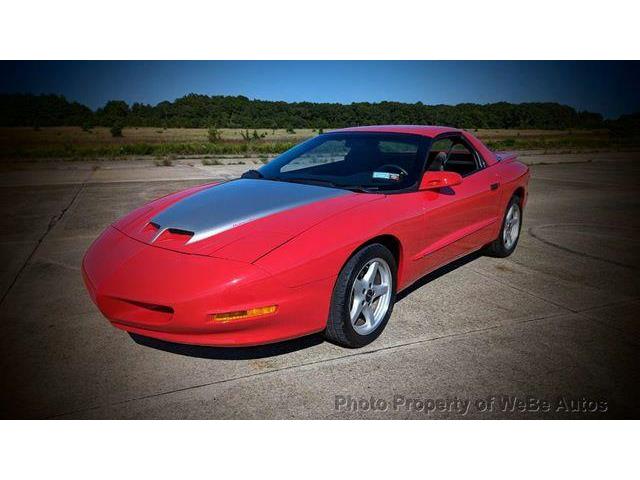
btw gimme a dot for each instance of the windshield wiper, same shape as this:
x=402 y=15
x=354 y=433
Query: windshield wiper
x=327 y=183
x=359 y=188
x=252 y=174
x=304 y=180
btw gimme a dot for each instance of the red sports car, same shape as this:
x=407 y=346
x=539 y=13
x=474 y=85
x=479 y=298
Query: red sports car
x=320 y=239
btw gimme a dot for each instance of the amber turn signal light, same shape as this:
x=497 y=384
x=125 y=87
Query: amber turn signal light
x=242 y=314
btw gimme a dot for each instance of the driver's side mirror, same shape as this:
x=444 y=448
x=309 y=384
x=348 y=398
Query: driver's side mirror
x=436 y=180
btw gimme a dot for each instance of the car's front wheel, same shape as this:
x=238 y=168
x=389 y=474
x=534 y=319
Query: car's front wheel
x=363 y=297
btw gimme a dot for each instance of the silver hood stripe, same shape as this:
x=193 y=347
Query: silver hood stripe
x=228 y=205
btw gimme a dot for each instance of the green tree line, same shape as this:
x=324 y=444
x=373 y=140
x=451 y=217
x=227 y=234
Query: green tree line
x=199 y=111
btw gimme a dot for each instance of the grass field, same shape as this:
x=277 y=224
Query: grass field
x=76 y=143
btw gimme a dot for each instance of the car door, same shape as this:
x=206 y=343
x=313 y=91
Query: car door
x=458 y=219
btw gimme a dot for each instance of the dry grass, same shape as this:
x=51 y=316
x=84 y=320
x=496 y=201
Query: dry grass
x=500 y=134
x=102 y=136
x=75 y=143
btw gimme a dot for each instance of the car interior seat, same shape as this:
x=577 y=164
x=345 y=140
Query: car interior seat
x=437 y=165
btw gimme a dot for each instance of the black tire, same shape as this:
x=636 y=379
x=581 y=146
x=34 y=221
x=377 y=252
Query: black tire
x=497 y=248
x=339 y=329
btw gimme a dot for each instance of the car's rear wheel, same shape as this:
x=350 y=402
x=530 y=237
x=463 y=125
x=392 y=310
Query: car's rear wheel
x=505 y=244
x=363 y=297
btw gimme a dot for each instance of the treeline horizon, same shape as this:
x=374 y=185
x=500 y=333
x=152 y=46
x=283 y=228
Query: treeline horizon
x=203 y=111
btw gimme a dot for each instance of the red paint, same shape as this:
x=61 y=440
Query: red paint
x=437 y=180
x=167 y=289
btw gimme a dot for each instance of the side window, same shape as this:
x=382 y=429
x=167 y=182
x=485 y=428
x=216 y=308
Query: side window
x=452 y=154
x=460 y=148
x=461 y=159
x=438 y=154
x=442 y=145
x=327 y=152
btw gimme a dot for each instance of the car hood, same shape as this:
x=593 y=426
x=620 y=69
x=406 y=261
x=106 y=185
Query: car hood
x=239 y=220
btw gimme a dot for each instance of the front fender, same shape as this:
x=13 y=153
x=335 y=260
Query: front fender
x=321 y=251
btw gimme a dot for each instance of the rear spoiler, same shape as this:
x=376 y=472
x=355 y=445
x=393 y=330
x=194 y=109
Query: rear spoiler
x=505 y=156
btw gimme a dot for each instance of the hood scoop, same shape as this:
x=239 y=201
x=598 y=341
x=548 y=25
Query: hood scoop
x=174 y=233
x=228 y=205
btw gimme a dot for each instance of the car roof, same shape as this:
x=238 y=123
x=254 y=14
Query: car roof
x=424 y=130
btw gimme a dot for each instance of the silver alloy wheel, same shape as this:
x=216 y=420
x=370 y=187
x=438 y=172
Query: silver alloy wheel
x=511 y=228
x=370 y=296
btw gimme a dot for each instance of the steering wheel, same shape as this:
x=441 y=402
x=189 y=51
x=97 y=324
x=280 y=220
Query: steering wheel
x=391 y=165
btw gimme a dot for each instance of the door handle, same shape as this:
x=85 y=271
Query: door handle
x=494 y=186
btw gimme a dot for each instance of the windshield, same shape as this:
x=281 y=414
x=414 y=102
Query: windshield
x=361 y=161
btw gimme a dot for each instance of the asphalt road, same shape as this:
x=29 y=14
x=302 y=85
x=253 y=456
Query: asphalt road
x=557 y=322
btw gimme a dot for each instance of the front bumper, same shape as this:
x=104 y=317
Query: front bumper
x=170 y=296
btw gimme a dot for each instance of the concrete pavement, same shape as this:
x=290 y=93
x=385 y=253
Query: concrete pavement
x=557 y=322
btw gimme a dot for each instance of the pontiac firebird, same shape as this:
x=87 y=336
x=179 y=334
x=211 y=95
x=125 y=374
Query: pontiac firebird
x=320 y=239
